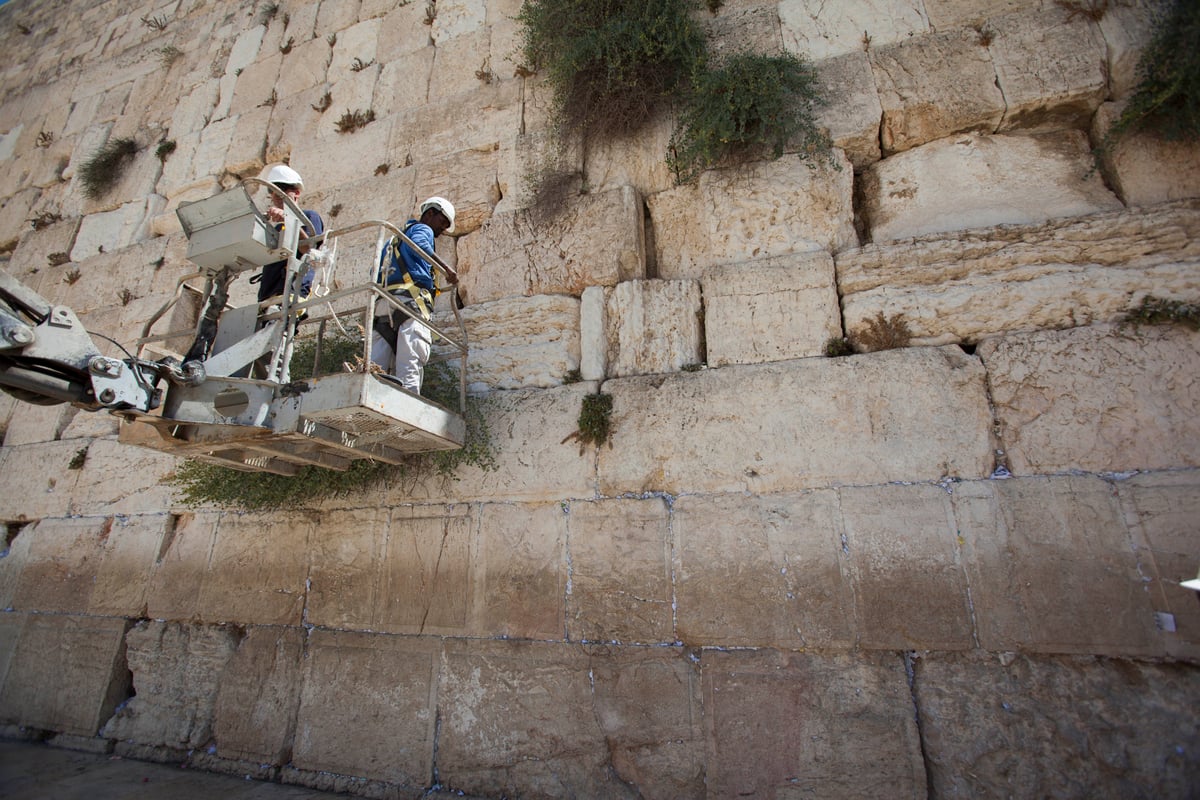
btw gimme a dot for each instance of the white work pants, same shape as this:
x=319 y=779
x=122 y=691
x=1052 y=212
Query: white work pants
x=407 y=356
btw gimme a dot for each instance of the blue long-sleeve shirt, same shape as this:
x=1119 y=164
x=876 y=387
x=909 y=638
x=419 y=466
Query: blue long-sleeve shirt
x=420 y=270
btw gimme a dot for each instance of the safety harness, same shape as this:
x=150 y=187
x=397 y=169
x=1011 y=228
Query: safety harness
x=422 y=298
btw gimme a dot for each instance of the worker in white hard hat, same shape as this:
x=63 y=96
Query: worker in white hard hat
x=287 y=180
x=399 y=342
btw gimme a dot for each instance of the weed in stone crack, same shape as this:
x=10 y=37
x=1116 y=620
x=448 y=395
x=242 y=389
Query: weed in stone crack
x=882 y=333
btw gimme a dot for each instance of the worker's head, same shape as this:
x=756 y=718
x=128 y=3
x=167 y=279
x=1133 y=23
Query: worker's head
x=287 y=180
x=438 y=213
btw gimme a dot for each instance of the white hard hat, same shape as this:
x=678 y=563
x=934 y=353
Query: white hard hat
x=443 y=205
x=285 y=174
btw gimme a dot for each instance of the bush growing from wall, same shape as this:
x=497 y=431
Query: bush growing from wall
x=1167 y=100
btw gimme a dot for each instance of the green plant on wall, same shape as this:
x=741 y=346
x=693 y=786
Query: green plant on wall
x=753 y=106
x=201 y=483
x=1167 y=100
x=611 y=63
x=104 y=168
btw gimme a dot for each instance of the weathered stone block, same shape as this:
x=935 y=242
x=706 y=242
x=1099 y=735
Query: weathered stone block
x=12 y=563
x=255 y=86
x=910 y=589
x=935 y=86
x=621 y=582
x=653 y=327
x=916 y=414
x=31 y=424
x=117 y=479
x=62 y=565
x=108 y=231
x=67 y=673
x=257 y=570
x=488 y=114
x=470 y=178
x=1161 y=510
x=254 y=717
x=1051 y=67
x=597 y=240
x=330 y=161
x=344 y=579
x=1099 y=399
x=979 y=181
x=756 y=211
x=519 y=588
x=1052 y=568
x=1128 y=28
x=638 y=160
x=178 y=578
x=818 y=30
x=1027 y=727
x=130 y=551
x=460 y=65
x=947 y=14
x=762 y=572
x=177 y=670
x=519 y=342
x=793 y=724
x=852 y=111
x=1143 y=167
x=402 y=32
x=426 y=571
x=37 y=482
x=741 y=27
x=547 y=720
x=367 y=707
x=963 y=286
x=770 y=310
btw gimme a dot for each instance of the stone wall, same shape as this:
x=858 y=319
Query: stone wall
x=949 y=569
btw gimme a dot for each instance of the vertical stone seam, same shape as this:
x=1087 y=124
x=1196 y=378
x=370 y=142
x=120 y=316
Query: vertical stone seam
x=569 y=567
x=952 y=520
x=910 y=671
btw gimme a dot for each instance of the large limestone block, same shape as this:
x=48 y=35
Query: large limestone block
x=819 y=30
x=178 y=578
x=11 y=626
x=741 y=27
x=947 y=14
x=637 y=160
x=427 y=567
x=597 y=239
x=66 y=673
x=1100 y=399
x=33 y=251
x=974 y=181
x=1022 y=726
x=30 y=424
x=368 y=707
x=787 y=724
x=402 y=32
x=910 y=588
x=342 y=157
x=851 y=111
x=917 y=414
x=755 y=211
x=762 y=572
x=649 y=327
x=774 y=309
x=519 y=342
x=344 y=580
x=177 y=670
x=621 y=572
x=254 y=718
x=547 y=720
x=18 y=543
x=487 y=114
x=118 y=479
x=37 y=480
x=460 y=65
x=526 y=429
x=518 y=590
x=130 y=553
x=1051 y=66
x=1143 y=167
x=257 y=570
x=113 y=230
x=255 y=87
x=1161 y=510
x=963 y=286
x=1052 y=568
x=470 y=177
x=935 y=86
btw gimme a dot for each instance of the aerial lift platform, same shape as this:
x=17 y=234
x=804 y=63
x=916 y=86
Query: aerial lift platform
x=229 y=400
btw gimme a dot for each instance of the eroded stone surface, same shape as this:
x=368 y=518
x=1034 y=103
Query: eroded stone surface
x=65 y=673
x=596 y=240
x=916 y=414
x=770 y=310
x=756 y=211
x=1030 y=726
x=974 y=181
x=1143 y=167
x=1059 y=274
x=254 y=718
x=653 y=327
x=818 y=30
x=1101 y=398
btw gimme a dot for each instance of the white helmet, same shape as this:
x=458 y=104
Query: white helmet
x=285 y=174
x=443 y=205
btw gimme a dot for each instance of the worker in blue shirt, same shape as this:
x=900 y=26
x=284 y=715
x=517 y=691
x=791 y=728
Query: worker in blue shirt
x=401 y=343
